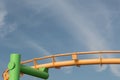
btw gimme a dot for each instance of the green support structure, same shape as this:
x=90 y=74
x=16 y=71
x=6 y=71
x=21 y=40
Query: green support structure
x=14 y=67
x=34 y=72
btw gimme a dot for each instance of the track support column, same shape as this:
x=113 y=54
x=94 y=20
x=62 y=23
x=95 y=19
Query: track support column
x=14 y=67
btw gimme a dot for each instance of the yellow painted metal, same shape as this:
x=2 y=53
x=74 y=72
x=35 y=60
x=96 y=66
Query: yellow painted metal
x=73 y=62
x=81 y=62
x=5 y=75
x=74 y=56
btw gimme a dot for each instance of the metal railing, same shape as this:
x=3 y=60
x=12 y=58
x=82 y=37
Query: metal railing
x=73 y=62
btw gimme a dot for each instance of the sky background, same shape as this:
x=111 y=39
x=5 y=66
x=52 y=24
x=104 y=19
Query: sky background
x=37 y=28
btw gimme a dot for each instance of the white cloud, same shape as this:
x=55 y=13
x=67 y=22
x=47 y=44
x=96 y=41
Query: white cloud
x=38 y=5
x=100 y=68
x=67 y=70
x=84 y=28
x=3 y=13
x=42 y=50
x=38 y=47
x=4 y=28
x=115 y=69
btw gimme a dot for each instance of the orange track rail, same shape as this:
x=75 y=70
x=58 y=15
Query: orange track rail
x=73 y=62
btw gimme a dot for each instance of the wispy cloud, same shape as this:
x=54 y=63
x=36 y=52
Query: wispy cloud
x=4 y=27
x=3 y=13
x=37 y=47
x=43 y=51
x=100 y=68
x=115 y=69
x=84 y=28
x=68 y=70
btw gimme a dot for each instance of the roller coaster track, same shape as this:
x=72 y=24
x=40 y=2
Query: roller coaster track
x=73 y=62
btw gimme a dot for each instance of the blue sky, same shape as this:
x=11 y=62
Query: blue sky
x=36 y=28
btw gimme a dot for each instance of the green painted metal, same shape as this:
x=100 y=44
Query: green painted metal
x=43 y=69
x=14 y=67
x=43 y=73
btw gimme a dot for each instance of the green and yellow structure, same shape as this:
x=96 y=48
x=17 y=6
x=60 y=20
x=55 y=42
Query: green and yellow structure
x=17 y=67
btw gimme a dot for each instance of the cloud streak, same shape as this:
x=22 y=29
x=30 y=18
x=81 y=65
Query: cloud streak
x=85 y=28
x=115 y=69
x=37 y=47
x=90 y=35
x=42 y=50
x=3 y=13
x=4 y=27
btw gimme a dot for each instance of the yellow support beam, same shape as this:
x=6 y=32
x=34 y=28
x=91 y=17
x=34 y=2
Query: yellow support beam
x=81 y=62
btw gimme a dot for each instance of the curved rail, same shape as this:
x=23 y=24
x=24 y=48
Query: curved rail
x=73 y=62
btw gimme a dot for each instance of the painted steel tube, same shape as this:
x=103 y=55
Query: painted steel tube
x=81 y=62
x=33 y=72
x=14 y=67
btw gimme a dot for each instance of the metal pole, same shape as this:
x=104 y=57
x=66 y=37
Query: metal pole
x=14 y=67
x=42 y=73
